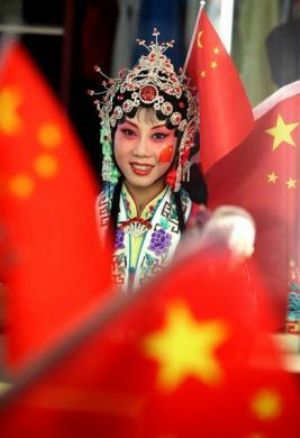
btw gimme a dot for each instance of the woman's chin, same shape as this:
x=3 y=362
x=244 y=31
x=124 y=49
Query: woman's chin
x=144 y=182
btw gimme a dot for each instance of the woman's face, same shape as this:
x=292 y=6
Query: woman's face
x=144 y=149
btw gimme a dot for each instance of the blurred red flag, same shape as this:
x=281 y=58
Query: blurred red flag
x=51 y=260
x=262 y=175
x=226 y=116
x=186 y=358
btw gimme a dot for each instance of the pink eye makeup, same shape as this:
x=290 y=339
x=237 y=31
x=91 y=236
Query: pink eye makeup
x=128 y=132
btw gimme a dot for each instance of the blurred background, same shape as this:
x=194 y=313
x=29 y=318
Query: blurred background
x=66 y=38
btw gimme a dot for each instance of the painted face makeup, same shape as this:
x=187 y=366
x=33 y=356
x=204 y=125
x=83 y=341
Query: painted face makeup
x=166 y=155
x=144 y=149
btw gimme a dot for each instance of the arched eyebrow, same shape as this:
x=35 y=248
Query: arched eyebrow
x=130 y=123
x=161 y=125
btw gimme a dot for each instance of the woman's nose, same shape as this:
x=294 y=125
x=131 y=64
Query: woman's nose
x=141 y=148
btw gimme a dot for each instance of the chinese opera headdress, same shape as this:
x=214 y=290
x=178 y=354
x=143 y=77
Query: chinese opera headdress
x=151 y=83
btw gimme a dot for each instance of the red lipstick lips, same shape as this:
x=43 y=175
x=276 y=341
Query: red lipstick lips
x=141 y=169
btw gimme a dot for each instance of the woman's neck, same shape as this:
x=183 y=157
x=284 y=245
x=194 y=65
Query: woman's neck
x=143 y=195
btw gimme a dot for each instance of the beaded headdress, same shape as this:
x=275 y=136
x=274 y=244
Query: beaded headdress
x=152 y=83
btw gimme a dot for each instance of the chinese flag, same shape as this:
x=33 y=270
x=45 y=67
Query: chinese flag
x=51 y=261
x=226 y=117
x=186 y=357
x=263 y=176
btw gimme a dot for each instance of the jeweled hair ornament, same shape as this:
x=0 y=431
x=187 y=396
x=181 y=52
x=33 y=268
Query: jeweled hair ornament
x=151 y=83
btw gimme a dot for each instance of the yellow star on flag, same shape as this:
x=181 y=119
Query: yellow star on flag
x=203 y=74
x=186 y=347
x=216 y=50
x=45 y=165
x=282 y=132
x=291 y=183
x=21 y=185
x=266 y=405
x=10 y=100
x=214 y=65
x=49 y=135
x=272 y=177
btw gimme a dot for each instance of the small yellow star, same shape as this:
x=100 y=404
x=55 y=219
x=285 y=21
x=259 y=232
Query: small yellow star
x=10 y=101
x=214 y=65
x=45 y=165
x=49 y=135
x=186 y=347
x=272 y=177
x=216 y=50
x=266 y=405
x=282 y=132
x=291 y=183
x=203 y=74
x=21 y=185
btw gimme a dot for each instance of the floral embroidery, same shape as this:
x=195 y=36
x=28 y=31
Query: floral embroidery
x=119 y=242
x=160 y=242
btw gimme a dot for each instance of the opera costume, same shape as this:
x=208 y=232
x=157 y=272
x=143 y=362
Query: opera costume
x=146 y=241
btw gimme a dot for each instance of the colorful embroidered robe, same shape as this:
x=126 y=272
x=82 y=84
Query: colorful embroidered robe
x=138 y=257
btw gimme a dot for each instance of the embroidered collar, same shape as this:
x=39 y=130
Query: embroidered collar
x=149 y=208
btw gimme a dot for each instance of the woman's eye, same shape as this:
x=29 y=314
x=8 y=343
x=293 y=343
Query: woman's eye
x=160 y=136
x=128 y=132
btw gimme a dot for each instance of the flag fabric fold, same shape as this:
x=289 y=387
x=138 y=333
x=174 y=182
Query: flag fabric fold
x=262 y=175
x=51 y=260
x=226 y=117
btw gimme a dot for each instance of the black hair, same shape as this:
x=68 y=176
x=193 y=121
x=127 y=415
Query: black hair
x=180 y=213
x=115 y=207
x=196 y=187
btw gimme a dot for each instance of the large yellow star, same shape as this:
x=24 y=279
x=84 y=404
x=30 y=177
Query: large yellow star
x=10 y=120
x=282 y=132
x=186 y=347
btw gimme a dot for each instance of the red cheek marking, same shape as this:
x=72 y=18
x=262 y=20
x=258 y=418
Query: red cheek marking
x=166 y=154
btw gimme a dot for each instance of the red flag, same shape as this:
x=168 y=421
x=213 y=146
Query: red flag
x=262 y=175
x=187 y=357
x=226 y=116
x=51 y=260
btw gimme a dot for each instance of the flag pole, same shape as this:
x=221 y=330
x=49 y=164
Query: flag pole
x=202 y=5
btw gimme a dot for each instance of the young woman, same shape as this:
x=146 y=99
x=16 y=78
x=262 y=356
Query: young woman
x=149 y=127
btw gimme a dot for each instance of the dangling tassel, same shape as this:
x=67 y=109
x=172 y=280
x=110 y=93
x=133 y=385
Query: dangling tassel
x=186 y=171
x=109 y=171
x=171 y=177
x=107 y=168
